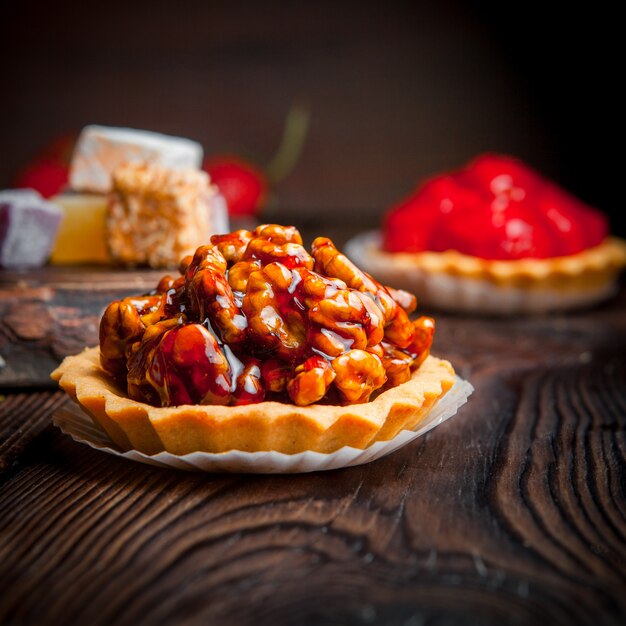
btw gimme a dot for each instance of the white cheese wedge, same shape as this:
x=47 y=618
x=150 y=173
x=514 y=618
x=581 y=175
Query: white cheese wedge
x=101 y=149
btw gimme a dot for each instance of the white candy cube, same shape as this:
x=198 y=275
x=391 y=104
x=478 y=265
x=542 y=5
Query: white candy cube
x=101 y=149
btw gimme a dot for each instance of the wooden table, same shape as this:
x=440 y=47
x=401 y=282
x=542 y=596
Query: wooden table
x=512 y=512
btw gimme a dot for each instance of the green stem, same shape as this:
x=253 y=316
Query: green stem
x=291 y=144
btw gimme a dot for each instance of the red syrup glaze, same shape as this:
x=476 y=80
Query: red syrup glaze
x=494 y=208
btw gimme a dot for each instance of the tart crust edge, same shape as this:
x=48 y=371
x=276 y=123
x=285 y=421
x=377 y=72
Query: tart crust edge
x=600 y=260
x=454 y=281
x=265 y=426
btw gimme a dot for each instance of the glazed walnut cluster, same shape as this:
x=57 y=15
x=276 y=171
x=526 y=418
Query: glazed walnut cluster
x=255 y=317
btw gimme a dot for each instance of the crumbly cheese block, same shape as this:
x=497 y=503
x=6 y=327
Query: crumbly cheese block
x=81 y=237
x=157 y=215
x=101 y=149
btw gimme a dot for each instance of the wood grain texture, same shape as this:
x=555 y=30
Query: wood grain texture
x=513 y=512
x=49 y=313
x=23 y=416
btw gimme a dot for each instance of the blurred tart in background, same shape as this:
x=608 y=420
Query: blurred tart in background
x=494 y=237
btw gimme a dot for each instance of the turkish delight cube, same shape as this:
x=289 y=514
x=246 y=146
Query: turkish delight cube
x=101 y=149
x=28 y=227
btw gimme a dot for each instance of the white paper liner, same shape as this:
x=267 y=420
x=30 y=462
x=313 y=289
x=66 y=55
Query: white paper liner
x=79 y=426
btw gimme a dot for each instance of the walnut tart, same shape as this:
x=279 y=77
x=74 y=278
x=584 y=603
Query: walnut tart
x=259 y=345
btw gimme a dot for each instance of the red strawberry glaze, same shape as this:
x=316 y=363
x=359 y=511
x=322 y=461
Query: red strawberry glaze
x=494 y=208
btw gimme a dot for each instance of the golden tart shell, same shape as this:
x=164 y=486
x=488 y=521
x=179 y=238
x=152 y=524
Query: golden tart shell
x=285 y=428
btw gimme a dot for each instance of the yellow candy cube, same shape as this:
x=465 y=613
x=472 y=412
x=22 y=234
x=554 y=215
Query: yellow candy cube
x=82 y=235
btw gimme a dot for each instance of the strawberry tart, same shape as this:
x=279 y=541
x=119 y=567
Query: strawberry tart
x=494 y=237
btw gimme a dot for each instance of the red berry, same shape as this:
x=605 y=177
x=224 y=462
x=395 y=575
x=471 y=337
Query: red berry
x=46 y=177
x=48 y=172
x=578 y=225
x=242 y=185
x=497 y=175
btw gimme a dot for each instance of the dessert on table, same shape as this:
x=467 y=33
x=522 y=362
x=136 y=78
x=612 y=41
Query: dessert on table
x=28 y=228
x=100 y=150
x=135 y=198
x=157 y=215
x=82 y=236
x=494 y=237
x=259 y=345
x=94 y=224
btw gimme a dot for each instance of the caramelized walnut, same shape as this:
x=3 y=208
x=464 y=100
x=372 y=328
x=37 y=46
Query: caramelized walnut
x=166 y=283
x=347 y=319
x=183 y=365
x=271 y=249
x=253 y=316
x=307 y=288
x=397 y=364
x=311 y=381
x=210 y=295
x=276 y=232
x=239 y=274
x=232 y=245
x=329 y=261
x=404 y=299
x=358 y=375
x=276 y=374
x=274 y=323
x=249 y=387
x=424 y=335
x=122 y=324
x=398 y=327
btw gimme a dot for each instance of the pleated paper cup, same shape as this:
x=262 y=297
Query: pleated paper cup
x=73 y=421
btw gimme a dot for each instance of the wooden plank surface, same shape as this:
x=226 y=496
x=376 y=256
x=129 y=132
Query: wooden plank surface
x=49 y=313
x=512 y=512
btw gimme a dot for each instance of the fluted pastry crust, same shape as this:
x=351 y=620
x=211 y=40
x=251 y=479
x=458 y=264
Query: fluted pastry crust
x=455 y=281
x=285 y=428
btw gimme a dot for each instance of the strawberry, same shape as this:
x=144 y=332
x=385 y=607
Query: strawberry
x=243 y=186
x=414 y=224
x=577 y=225
x=495 y=174
x=48 y=172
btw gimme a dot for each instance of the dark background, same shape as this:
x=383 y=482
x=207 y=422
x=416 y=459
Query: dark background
x=397 y=90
